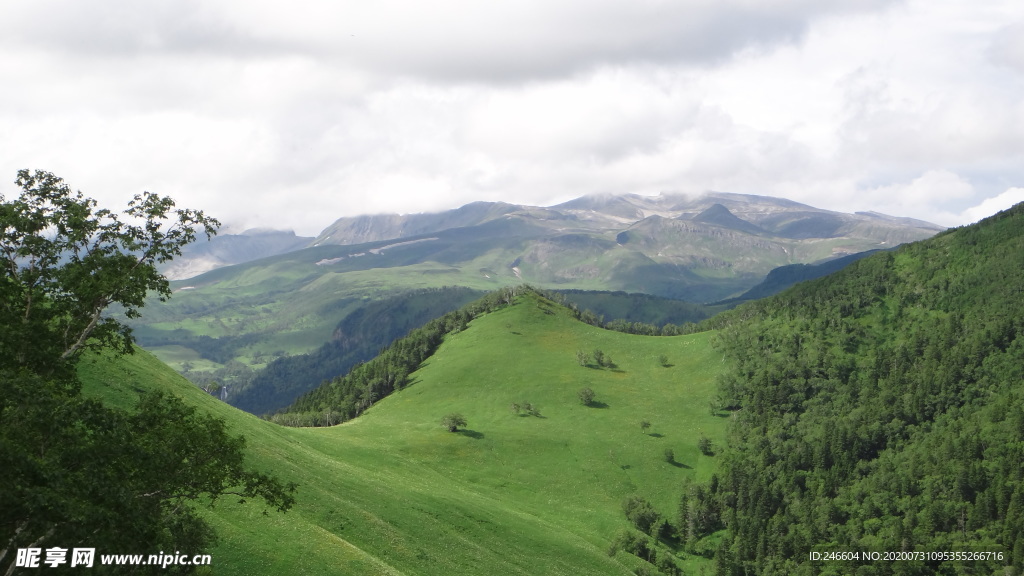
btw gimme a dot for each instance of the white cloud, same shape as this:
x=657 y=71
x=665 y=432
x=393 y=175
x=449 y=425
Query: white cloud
x=293 y=115
x=990 y=206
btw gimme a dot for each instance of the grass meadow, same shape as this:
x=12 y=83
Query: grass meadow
x=393 y=492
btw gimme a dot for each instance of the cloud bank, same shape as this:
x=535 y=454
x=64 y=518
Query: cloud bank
x=292 y=115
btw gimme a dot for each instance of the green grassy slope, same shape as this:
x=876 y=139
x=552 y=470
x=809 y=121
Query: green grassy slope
x=394 y=493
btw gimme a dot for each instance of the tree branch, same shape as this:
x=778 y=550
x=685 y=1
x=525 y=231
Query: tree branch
x=10 y=569
x=86 y=331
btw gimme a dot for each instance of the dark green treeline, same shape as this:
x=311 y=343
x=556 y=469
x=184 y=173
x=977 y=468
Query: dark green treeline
x=881 y=409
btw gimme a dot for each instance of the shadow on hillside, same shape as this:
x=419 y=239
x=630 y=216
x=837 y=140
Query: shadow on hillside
x=534 y=414
x=471 y=433
x=680 y=465
x=656 y=435
x=611 y=368
x=597 y=404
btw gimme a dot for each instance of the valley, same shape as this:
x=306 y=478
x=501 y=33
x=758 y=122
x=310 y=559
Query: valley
x=228 y=326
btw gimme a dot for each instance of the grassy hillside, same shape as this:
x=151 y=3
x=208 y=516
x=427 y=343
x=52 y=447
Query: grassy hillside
x=357 y=338
x=392 y=492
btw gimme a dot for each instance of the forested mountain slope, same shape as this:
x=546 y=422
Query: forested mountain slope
x=881 y=409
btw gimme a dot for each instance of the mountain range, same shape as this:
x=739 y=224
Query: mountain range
x=271 y=295
x=693 y=248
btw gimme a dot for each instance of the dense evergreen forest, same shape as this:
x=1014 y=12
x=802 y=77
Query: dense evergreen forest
x=633 y=307
x=878 y=409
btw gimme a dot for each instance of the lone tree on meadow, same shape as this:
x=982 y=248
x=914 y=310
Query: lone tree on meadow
x=586 y=396
x=644 y=425
x=452 y=421
x=705 y=446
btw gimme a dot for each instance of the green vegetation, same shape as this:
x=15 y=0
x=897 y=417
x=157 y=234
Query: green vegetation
x=625 y=307
x=452 y=421
x=392 y=491
x=348 y=396
x=705 y=446
x=74 y=470
x=880 y=409
x=586 y=396
x=237 y=324
x=357 y=338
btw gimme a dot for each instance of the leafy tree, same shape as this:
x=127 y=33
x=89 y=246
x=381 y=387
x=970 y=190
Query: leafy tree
x=586 y=396
x=669 y=455
x=705 y=446
x=582 y=358
x=75 y=470
x=452 y=421
x=663 y=360
x=66 y=261
x=599 y=357
x=666 y=565
x=644 y=426
x=640 y=512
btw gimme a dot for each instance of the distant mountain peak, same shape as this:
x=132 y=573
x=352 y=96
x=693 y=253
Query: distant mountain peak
x=266 y=232
x=719 y=215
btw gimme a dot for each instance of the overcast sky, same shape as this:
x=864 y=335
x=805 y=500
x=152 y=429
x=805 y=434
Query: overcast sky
x=292 y=114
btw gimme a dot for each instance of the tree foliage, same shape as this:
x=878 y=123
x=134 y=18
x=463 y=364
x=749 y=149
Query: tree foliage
x=65 y=261
x=705 y=446
x=879 y=409
x=586 y=396
x=641 y=514
x=451 y=422
x=74 y=470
